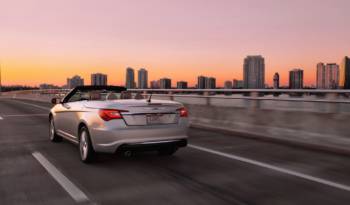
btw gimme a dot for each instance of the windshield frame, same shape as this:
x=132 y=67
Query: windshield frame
x=116 y=89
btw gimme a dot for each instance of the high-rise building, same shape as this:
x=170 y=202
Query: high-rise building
x=296 y=78
x=210 y=83
x=276 y=81
x=142 y=79
x=155 y=84
x=345 y=73
x=201 y=82
x=181 y=85
x=332 y=76
x=237 y=83
x=130 y=78
x=327 y=76
x=98 y=79
x=165 y=83
x=228 y=84
x=74 y=82
x=321 y=76
x=254 y=72
x=206 y=82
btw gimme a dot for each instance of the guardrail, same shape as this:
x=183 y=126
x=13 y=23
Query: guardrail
x=244 y=90
x=303 y=95
x=191 y=90
x=42 y=91
x=285 y=99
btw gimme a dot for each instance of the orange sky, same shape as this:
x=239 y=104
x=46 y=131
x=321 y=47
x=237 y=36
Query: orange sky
x=46 y=42
x=27 y=72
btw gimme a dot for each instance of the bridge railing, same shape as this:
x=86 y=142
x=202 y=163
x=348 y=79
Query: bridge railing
x=283 y=99
x=304 y=95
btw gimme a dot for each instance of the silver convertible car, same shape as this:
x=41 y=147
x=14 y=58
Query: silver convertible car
x=105 y=119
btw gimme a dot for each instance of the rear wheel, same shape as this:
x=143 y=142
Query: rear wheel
x=52 y=132
x=85 y=147
x=167 y=151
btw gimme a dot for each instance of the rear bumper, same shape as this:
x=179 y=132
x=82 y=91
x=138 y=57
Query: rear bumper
x=152 y=145
x=109 y=140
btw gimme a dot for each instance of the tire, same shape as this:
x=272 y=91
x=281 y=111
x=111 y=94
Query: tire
x=86 y=150
x=167 y=151
x=52 y=132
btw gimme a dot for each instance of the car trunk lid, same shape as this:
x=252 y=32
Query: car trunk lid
x=143 y=113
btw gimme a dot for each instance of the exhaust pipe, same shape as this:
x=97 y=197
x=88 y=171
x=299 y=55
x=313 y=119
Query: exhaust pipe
x=127 y=153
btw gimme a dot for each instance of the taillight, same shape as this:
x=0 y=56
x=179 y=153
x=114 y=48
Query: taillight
x=111 y=114
x=183 y=112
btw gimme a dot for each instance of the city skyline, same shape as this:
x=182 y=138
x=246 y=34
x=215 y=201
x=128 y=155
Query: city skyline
x=192 y=38
x=327 y=77
x=192 y=82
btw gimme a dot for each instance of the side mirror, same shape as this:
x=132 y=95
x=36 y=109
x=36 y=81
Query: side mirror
x=55 y=101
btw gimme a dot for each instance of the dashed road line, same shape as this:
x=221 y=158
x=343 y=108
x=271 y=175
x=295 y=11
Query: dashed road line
x=274 y=168
x=78 y=195
x=24 y=115
x=1 y=118
x=34 y=105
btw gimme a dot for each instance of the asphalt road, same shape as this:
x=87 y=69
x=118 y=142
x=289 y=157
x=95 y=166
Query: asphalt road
x=215 y=169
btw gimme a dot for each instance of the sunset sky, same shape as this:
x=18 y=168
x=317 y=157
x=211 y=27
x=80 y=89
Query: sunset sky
x=46 y=41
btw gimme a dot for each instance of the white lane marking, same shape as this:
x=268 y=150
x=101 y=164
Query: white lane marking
x=34 y=105
x=24 y=115
x=275 y=168
x=66 y=184
x=1 y=118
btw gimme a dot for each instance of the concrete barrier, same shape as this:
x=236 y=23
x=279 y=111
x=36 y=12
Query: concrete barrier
x=323 y=131
x=317 y=125
x=34 y=97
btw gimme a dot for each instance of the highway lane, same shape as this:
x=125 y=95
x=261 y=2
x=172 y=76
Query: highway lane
x=190 y=177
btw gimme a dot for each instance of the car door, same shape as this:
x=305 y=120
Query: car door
x=69 y=119
x=68 y=116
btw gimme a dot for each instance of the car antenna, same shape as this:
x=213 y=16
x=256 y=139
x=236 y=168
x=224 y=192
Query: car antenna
x=150 y=98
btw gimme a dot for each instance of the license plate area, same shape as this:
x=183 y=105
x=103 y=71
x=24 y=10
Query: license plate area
x=153 y=119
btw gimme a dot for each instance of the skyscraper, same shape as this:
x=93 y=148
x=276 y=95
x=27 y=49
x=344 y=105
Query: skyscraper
x=142 y=79
x=210 y=83
x=98 y=79
x=327 y=76
x=206 y=82
x=296 y=78
x=332 y=76
x=228 y=84
x=165 y=83
x=276 y=81
x=201 y=82
x=254 y=72
x=182 y=85
x=345 y=73
x=321 y=76
x=130 y=78
x=74 y=82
